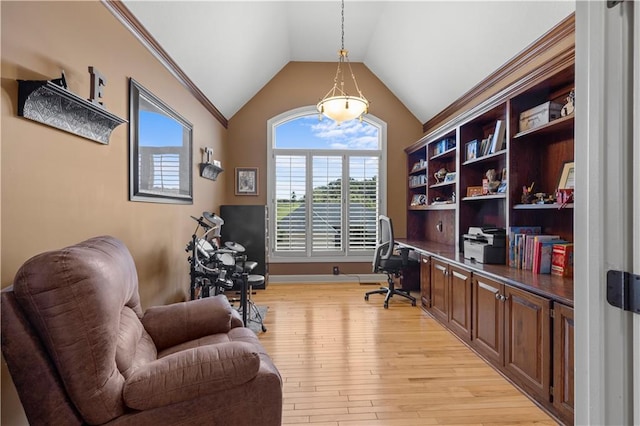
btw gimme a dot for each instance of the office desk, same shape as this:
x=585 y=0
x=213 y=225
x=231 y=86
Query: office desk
x=550 y=286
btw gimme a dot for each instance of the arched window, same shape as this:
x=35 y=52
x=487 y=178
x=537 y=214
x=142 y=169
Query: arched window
x=326 y=187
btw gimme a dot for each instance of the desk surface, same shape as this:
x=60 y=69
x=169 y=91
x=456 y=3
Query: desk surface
x=553 y=287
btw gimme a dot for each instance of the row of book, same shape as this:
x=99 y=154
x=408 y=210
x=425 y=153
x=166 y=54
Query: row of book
x=531 y=250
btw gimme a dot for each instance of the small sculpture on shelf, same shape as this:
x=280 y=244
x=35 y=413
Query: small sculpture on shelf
x=569 y=107
x=527 y=194
x=440 y=175
x=492 y=181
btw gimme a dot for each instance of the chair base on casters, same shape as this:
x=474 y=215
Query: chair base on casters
x=390 y=291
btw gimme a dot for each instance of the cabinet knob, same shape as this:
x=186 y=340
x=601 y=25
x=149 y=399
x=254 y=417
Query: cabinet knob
x=498 y=296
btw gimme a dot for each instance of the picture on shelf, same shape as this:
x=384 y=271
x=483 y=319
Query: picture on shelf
x=450 y=177
x=567 y=176
x=472 y=149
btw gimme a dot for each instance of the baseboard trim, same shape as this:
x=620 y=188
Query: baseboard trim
x=375 y=279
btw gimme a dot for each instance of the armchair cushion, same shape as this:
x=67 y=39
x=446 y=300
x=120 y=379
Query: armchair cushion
x=191 y=374
x=177 y=323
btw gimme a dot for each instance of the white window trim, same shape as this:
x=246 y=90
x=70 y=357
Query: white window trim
x=272 y=123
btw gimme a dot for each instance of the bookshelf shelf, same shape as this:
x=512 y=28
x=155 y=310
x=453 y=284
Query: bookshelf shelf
x=562 y=123
x=441 y=184
x=486 y=197
x=485 y=158
x=446 y=206
x=542 y=206
x=417 y=171
x=447 y=154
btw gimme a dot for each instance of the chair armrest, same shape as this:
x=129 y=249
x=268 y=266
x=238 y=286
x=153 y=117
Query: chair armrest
x=191 y=374
x=170 y=325
x=404 y=254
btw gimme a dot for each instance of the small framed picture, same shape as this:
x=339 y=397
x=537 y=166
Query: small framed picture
x=474 y=191
x=450 y=177
x=472 y=150
x=246 y=181
x=567 y=176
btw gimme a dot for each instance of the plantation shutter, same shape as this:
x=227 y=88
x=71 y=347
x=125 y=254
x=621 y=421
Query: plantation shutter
x=326 y=234
x=291 y=211
x=363 y=205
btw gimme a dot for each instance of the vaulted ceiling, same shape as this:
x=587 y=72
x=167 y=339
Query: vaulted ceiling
x=428 y=53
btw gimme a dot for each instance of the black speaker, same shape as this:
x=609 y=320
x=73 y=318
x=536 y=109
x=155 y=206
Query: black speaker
x=247 y=225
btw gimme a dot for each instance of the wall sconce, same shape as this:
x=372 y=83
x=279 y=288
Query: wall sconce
x=208 y=169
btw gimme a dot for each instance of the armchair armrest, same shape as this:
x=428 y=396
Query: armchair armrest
x=190 y=374
x=177 y=323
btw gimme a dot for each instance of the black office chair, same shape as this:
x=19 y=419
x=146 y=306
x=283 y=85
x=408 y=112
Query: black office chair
x=385 y=261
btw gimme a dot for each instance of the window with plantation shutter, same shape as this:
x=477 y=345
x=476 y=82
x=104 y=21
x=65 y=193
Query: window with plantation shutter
x=324 y=187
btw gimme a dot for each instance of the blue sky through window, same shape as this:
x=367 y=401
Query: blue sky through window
x=308 y=132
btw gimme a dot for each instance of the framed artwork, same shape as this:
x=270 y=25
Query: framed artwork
x=450 y=177
x=246 y=181
x=567 y=176
x=160 y=150
x=472 y=150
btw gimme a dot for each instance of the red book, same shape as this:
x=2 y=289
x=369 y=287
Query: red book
x=562 y=260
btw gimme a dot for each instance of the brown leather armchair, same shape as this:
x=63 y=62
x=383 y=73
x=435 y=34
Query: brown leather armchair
x=81 y=351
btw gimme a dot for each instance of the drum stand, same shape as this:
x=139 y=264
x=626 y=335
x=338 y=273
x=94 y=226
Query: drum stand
x=250 y=280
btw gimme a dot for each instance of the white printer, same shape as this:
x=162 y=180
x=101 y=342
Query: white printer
x=485 y=244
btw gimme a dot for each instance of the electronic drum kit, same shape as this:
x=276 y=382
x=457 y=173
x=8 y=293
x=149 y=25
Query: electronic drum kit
x=214 y=269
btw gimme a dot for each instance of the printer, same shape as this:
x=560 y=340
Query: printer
x=485 y=244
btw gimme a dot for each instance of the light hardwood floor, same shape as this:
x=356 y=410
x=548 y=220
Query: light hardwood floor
x=347 y=362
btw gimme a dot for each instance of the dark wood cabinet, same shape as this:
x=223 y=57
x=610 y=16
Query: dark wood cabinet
x=488 y=319
x=563 y=390
x=512 y=331
x=439 y=290
x=451 y=297
x=528 y=340
x=425 y=281
x=460 y=302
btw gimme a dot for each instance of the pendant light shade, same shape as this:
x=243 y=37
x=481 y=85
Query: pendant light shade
x=337 y=104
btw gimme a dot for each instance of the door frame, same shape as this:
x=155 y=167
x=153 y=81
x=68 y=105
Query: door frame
x=604 y=229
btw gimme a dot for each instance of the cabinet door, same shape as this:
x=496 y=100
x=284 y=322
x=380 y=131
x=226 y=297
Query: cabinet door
x=425 y=281
x=488 y=319
x=563 y=362
x=460 y=302
x=527 y=340
x=439 y=290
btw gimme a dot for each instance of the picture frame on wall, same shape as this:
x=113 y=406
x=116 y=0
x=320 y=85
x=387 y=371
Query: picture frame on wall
x=246 y=181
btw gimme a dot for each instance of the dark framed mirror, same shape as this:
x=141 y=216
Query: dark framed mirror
x=160 y=150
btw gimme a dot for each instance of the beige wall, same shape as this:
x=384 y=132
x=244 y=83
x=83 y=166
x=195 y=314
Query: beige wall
x=301 y=84
x=58 y=188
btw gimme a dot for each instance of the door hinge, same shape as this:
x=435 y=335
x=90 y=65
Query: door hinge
x=551 y=390
x=613 y=3
x=552 y=313
x=623 y=290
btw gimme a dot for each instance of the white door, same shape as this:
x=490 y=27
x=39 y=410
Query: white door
x=607 y=224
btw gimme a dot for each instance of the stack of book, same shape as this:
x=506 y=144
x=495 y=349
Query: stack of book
x=536 y=252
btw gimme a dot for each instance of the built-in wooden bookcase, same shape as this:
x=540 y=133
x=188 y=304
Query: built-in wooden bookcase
x=530 y=158
x=537 y=156
x=484 y=209
x=486 y=304
x=433 y=218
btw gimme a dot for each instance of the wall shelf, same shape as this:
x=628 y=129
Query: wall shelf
x=542 y=206
x=48 y=103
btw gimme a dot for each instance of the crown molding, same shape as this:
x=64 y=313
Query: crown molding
x=554 y=36
x=124 y=15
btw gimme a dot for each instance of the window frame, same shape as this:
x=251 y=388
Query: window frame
x=308 y=257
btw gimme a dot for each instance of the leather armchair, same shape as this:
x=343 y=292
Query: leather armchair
x=80 y=350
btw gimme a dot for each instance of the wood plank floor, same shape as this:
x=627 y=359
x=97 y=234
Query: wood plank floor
x=347 y=362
